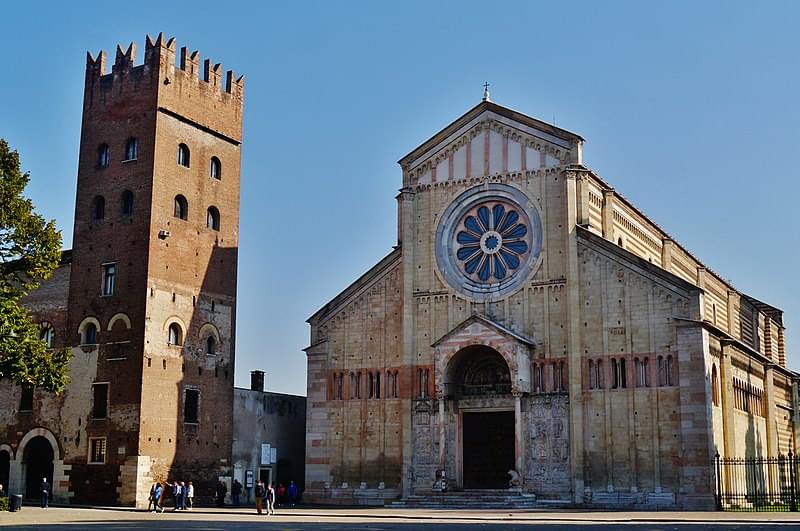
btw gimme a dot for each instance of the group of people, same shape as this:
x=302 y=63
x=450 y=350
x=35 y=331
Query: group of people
x=181 y=494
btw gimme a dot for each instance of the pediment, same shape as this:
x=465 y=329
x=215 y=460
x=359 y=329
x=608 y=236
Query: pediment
x=477 y=326
x=489 y=140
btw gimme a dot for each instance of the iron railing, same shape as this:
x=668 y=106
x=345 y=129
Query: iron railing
x=757 y=483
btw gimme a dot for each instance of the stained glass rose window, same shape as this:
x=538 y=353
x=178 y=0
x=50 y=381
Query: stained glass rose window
x=488 y=241
x=492 y=242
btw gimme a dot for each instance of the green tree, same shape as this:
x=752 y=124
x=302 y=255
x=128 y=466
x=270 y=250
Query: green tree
x=30 y=250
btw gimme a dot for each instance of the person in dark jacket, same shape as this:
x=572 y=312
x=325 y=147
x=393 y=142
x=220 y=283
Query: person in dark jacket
x=222 y=490
x=45 y=489
x=259 y=492
x=236 y=492
x=292 y=491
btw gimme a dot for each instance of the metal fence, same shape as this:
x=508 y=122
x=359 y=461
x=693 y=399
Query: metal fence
x=757 y=483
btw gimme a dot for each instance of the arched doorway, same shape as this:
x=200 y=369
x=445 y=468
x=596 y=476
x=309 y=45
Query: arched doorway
x=5 y=466
x=479 y=379
x=37 y=461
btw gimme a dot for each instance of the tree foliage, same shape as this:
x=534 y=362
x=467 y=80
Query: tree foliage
x=30 y=250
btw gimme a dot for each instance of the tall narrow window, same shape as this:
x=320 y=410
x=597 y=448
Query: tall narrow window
x=102 y=156
x=26 y=398
x=175 y=336
x=592 y=375
x=377 y=384
x=618 y=373
x=109 y=279
x=642 y=370
x=98 y=208
x=211 y=346
x=127 y=203
x=183 y=155
x=212 y=219
x=181 y=208
x=131 y=149
x=191 y=406
x=100 y=401
x=600 y=377
x=90 y=334
x=714 y=386
x=46 y=334
x=370 y=385
x=216 y=168
x=670 y=371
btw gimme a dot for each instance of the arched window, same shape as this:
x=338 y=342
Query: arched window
x=212 y=219
x=216 y=168
x=46 y=334
x=642 y=367
x=127 y=203
x=181 y=207
x=618 y=373
x=102 y=156
x=619 y=242
x=98 y=208
x=175 y=336
x=183 y=155
x=211 y=345
x=132 y=149
x=89 y=334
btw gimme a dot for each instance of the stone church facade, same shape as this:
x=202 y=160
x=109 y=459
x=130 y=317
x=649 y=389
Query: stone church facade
x=146 y=298
x=531 y=319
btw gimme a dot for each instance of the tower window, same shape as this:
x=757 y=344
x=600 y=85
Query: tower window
x=131 y=149
x=216 y=168
x=175 y=336
x=183 y=155
x=181 y=207
x=89 y=335
x=102 y=156
x=26 y=398
x=642 y=367
x=98 y=208
x=127 y=203
x=191 y=406
x=100 y=401
x=212 y=219
x=211 y=346
x=109 y=279
x=46 y=334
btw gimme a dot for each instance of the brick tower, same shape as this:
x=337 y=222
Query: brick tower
x=152 y=294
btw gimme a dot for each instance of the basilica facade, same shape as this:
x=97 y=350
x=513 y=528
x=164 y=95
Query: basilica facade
x=533 y=329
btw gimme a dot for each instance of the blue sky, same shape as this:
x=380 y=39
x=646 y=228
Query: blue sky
x=689 y=109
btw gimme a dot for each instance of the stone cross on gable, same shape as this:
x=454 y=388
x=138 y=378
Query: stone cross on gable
x=486 y=92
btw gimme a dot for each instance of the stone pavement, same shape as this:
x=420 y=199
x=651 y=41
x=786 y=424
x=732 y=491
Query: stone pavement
x=69 y=518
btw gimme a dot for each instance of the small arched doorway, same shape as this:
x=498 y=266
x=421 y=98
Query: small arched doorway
x=479 y=379
x=37 y=461
x=5 y=466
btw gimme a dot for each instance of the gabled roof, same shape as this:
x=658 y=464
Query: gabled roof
x=480 y=108
x=475 y=318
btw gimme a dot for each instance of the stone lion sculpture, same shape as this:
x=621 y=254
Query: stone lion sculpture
x=516 y=479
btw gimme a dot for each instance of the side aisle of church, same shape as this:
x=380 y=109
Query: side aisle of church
x=532 y=320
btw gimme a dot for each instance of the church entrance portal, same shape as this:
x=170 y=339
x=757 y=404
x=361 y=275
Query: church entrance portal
x=488 y=449
x=38 y=463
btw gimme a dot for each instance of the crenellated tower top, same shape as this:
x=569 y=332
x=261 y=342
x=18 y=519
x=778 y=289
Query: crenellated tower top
x=177 y=83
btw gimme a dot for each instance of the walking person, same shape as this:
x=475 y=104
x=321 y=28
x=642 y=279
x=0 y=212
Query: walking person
x=45 y=489
x=189 y=496
x=156 y=497
x=280 y=495
x=165 y=492
x=259 y=492
x=270 y=500
x=292 y=491
x=236 y=492
x=152 y=500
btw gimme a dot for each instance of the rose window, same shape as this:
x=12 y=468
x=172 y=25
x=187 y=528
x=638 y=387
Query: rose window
x=492 y=242
x=489 y=241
